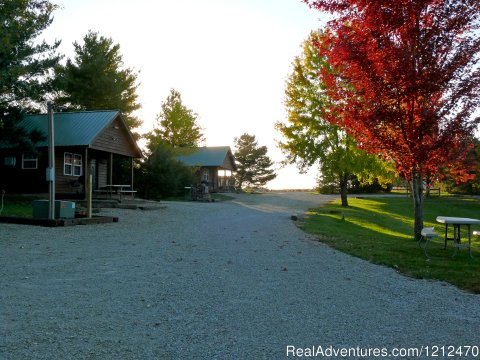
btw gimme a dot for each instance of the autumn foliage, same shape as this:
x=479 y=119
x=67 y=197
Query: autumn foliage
x=406 y=79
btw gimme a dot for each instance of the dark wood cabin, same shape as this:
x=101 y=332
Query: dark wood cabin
x=215 y=166
x=87 y=142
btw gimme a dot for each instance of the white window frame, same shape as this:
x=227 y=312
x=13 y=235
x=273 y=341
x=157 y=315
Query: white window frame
x=206 y=175
x=77 y=165
x=29 y=159
x=10 y=161
x=74 y=165
x=67 y=163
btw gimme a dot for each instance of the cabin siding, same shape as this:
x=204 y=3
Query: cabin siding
x=14 y=179
x=98 y=137
x=66 y=183
x=228 y=163
x=210 y=160
x=114 y=138
x=213 y=178
x=102 y=176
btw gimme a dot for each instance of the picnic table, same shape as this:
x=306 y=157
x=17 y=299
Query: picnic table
x=119 y=189
x=457 y=222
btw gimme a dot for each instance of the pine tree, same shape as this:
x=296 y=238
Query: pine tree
x=25 y=65
x=177 y=125
x=97 y=80
x=253 y=164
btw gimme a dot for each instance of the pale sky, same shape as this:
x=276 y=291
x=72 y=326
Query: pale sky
x=228 y=58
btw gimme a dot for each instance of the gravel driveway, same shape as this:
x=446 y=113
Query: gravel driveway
x=225 y=280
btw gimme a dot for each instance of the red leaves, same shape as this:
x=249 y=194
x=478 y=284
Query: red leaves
x=405 y=77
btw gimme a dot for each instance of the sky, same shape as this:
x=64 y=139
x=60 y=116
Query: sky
x=228 y=58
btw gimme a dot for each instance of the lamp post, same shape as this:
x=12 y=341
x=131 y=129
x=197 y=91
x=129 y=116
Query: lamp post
x=51 y=163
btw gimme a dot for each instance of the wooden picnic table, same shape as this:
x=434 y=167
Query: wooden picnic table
x=119 y=189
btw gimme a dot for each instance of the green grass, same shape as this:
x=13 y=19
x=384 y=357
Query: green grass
x=380 y=230
x=18 y=205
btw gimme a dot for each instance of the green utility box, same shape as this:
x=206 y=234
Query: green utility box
x=63 y=209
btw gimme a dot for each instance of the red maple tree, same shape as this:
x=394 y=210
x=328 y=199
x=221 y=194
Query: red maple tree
x=407 y=78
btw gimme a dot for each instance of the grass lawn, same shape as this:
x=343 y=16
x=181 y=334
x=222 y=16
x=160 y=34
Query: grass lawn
x=380 y=230
x=18 y=205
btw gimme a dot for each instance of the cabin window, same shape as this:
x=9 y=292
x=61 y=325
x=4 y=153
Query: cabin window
x=206 y=175
x=10 y=161
x=72 y=164
x=224 y=173
x=77 y=165
x=29 y=161
x=67 y=163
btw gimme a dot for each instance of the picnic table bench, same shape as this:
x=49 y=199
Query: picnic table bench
x=117 y=189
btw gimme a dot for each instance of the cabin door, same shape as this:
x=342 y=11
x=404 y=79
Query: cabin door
x=93 y=172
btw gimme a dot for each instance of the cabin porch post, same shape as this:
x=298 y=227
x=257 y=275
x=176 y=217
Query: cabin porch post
x=131 y=179
x=110 y=170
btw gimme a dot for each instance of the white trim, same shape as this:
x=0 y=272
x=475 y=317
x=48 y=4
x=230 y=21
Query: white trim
x=75 y=165
x=29 y=158
x=65 y=164
x=10 y=161
x=206 y=175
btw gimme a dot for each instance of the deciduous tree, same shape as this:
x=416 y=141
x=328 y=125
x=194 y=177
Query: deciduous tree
x=406 y=76
x=310 y=138
x=253 y=164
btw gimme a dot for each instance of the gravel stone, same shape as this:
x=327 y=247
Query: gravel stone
x=224 y=280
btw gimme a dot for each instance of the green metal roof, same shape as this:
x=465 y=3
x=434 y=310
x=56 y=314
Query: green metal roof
x=71 y=128
x=207 y=156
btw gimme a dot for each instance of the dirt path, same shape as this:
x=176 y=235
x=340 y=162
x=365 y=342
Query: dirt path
x=282 y=202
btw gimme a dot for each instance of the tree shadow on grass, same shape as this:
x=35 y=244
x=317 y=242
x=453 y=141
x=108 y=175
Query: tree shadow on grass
x=380 y=231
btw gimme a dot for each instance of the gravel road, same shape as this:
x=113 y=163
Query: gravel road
x=225 y=280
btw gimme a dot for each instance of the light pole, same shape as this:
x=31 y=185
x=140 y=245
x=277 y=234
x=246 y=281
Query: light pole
x=51 y=162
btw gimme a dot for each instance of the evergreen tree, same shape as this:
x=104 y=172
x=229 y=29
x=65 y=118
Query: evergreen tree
x=177 y=125
x=97 y=80
x=25 y=64
x=253 y=164
x=177 y=132
x=161 y=175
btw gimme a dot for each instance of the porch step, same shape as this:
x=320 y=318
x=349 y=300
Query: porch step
x=135 y=204
x=140 y=204
x=99 y=203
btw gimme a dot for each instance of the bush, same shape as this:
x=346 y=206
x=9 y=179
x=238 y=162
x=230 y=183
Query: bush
x=161 y=175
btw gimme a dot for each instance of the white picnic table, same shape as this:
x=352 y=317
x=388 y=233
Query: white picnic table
x=457 y=222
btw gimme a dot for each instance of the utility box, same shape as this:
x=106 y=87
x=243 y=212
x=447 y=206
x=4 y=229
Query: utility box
x=63 y=209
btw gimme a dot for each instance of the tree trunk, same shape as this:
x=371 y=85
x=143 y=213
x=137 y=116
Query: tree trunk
x=343 y=189
x=417 y=190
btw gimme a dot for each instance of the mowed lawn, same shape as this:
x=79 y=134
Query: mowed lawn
x=380 y=230
x=17 y=205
